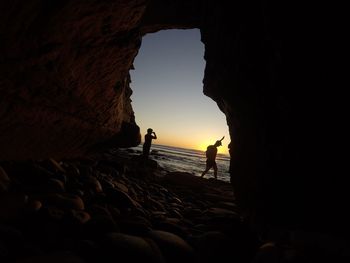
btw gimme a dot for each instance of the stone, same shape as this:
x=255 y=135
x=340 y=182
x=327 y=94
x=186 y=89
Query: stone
x=119 y=246
x=64 y=200
x=173 y=247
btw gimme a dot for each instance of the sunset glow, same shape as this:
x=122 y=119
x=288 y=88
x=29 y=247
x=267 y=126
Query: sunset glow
x=168 y=92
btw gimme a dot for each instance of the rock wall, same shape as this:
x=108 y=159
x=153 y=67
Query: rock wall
x=64 y=83
x=270 y=67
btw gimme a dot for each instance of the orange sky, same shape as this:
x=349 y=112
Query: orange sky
x=188 y=137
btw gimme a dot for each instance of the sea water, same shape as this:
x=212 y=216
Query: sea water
x=175 y=159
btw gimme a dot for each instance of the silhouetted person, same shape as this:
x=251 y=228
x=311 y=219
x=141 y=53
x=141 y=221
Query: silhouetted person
x=211 y=156
x=148 y=141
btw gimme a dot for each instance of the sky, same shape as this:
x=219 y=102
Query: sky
x=168 y=92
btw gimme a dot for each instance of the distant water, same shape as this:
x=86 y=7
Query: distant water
x=187 y=160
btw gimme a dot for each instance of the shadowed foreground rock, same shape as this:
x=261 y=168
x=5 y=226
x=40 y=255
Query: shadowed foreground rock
x=111 y=207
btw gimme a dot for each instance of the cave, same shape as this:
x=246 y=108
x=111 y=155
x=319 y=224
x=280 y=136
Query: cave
x=65 y=93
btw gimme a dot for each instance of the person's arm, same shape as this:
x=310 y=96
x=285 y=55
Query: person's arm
x=155 y=135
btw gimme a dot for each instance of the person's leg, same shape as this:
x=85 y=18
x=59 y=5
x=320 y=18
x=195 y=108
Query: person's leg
x=206 y=169
x=215 y=171
x=146 y=150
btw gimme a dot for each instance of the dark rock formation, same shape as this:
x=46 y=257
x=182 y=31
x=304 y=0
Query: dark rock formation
x=64 y=90
x=64 y=75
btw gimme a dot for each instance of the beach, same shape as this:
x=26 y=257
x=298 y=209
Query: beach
x=113 y=206
x=176 y=159
x=117 y=206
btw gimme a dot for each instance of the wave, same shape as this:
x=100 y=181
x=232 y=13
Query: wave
x=186 y=160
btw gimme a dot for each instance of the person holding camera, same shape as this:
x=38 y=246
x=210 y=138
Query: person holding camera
x=148 y=141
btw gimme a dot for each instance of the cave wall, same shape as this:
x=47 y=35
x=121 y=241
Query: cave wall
x=270 y=67
x=64 y=90
x=64 y=84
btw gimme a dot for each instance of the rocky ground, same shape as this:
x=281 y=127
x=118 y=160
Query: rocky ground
x=113 y=207
x=110 y=207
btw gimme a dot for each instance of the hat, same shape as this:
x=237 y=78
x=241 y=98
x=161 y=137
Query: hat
x=149 y=130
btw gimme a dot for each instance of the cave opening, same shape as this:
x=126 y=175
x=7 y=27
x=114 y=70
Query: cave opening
x=167 y=97
x=65 y=96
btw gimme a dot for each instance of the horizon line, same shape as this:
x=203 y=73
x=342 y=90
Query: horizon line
x=183 y=148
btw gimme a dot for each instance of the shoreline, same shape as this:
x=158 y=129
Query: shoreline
x=175 y=159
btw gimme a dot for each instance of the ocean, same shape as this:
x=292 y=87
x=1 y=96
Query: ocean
x=175 y=159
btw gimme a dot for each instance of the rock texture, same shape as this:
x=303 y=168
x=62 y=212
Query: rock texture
x=114 y=206
x=64 y=75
